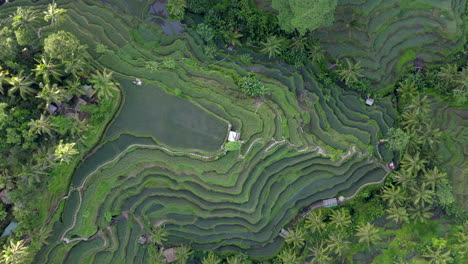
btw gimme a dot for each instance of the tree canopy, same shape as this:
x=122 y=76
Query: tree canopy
x=304 y=15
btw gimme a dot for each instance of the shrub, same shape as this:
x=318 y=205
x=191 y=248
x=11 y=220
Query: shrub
x=233 y=145
x=252 y=86
x=206 y=32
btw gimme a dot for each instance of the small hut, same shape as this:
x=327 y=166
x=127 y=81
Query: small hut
x=170 y=255
x=284 y=233
x=233 y=136
x=330 y=202
x=138 y=82
x=52 y=108
x=369 y=101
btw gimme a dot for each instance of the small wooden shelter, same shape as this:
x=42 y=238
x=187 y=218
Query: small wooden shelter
x=170 y=255
x=330 y=202
x=233 y=136
x=369 y=101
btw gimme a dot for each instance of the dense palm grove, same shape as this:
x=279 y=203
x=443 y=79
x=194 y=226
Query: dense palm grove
x=42 y=75
x=45 y=74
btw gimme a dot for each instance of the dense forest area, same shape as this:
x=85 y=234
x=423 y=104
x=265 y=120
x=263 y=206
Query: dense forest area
x=56 y=101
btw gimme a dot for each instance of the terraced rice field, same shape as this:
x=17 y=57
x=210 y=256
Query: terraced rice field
x=453 y=147
x=301 y=144
x=384 y=35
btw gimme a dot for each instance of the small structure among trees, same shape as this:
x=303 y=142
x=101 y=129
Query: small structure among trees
x=332 y=202
x=170 y=255
x=233 y=136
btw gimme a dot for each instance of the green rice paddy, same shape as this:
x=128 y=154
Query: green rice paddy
x=161 y=161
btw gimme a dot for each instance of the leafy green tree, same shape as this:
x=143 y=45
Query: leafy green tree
x=350 y=72
x=368 y=233
x=183 y=253
x=65 y=151
x=393 y=195
x=460 y=92
x=237 y=259
x=438 y=256
x=8 y=46
x=53 y=14
x=206 y=32
x=319 y=254
x=397 y=139
x=63 y=45
x=273 y=46
x=303 y=15
x=295 y=237
x=252 y=86
x=233 y=145
x=103 y=84
x=176 y=9
x=445 y=197
x=211 y=259
x=159 y=235
x=51 y=93
x=337 y=243
x=462 y=239
x=14 y=252
x=398 y=214
x=3 y=79
x=340 y=218
x=41 y=126
x=315 y=221
x=20 y=84
x=287 y=256
x=47 y=69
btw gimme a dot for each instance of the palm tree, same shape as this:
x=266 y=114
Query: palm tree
x=24 y=18
x=461 y=82
x=103 y=84
x=53 y=13
x=393 y=195
x=414 y=143
x=183 y=254
x=76 y=64
x=407 y=91
x=420 y=105
x=237 y=259
x=273 y=46
x=421 y=194
x=315 y=221
x=20 y=84
x=448 y=73
x=159 y=235
x=351 y=72
x=157 y=256
x=438 y=256
x=295 y=237
x=413 y=163
x=337 y=243
x=40 y=126
x=46 y=68
x=413 y=121
x=319 y=254
x=31 y=174
x=299 y=44
x=429 y=136
x=211 y=259
x=434 y=177
x=398 y=214
x=340 y=218
x=287 y=256
x=405 y=178
x=78 y=129
x=65 y=151
x=14 y=253
x=316 y=54
x=232 y=37
x=368 y=233
x=51 y=93
x=420 y=213
x=73 y=87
